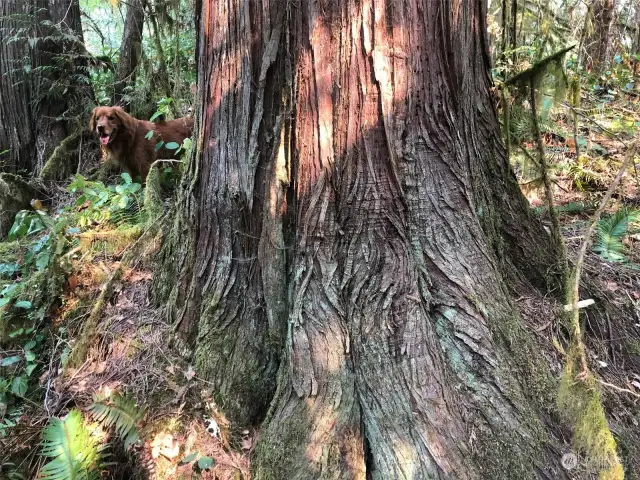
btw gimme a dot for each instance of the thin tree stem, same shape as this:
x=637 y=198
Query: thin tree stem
x=555 y=222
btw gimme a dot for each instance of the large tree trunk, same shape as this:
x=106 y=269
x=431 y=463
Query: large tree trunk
x=349 y=213
x=130 y=49
x=42 y=66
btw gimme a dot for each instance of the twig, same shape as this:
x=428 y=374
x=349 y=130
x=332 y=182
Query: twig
x=573 y=288
x=619 y=389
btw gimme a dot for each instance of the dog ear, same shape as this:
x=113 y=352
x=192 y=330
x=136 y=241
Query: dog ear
x=92 y=120
x=128 y=122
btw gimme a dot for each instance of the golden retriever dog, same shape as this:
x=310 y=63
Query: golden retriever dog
x=127 y=142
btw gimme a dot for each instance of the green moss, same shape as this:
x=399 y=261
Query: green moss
x=41 y=288
x=634 y=347
x=579 y=403
x=61 y=163
x=9 y=251
x=89 y=329
x=499 y=458
x=283 y=442
x=112 y=241
x=153 y=203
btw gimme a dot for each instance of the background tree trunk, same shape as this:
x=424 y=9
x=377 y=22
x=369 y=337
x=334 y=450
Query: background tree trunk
x=17 y=138
x=130 y=49
x=349 y=188
x=636 y=42
x=43 y=70
x=599 y=43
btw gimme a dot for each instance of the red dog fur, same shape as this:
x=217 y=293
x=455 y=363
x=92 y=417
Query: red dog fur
x=124 y=138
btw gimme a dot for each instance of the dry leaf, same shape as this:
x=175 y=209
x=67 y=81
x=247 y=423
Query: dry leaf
x=164 y=444
x=72 y=281
x=190 y=373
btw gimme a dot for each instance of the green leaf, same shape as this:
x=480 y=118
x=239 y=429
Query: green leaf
x=4 y=301
x=612 y=230
x=189 y=458
x=7 y=270
x=30 y=368
x=30 y=345
x=149 y=135
x=74 y=452
x=30 y=356
x=123 y=202
x=205 y=463
x=172 y=145
x=159 y=145
x=17 y=332
x=27 y=305
x=19 y=386
x=21 y=224
x=121 y=413
x=42 y=260
x=10 y=360
x=155 y=115
x=126 y=177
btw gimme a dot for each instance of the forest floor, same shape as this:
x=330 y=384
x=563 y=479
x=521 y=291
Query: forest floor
x=103 y=303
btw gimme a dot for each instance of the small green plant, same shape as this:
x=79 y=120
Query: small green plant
x=100 y=204
x=612 y=230
x=164 y=108
x=583 y=177
x=121 y=413
x=74 y=452
x=202 y=463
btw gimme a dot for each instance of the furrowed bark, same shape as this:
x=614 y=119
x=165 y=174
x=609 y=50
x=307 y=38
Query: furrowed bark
x=234 y=193
x=349 y=188
x=391 y=266
x=39 y=85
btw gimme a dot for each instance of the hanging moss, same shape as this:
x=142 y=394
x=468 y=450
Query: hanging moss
x=579 y=403
x=153 y=203
x=61 y=164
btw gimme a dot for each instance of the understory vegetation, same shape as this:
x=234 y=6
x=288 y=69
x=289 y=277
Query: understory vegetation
x=94 y=380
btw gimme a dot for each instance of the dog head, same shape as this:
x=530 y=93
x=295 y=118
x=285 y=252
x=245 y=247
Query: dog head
x=109 y=122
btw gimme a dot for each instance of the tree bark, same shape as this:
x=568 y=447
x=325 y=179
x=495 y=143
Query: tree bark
x=130 y=49
x=599 y=43
x=17 y=138
x=636 y=42
x=43 y=79
x=351 y=216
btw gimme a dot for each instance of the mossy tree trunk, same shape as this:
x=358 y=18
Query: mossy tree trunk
x=349 y=216
x=130 y=49
x=43 y=79
x=598 y=44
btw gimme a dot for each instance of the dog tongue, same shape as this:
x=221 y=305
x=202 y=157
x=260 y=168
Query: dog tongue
x=104 y=140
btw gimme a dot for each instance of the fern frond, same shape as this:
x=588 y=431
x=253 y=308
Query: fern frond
x=584 y=178
x=612 y=230
x=121 y=413
x=75 y=453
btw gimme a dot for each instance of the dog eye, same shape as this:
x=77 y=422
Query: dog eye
x=110 y=117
